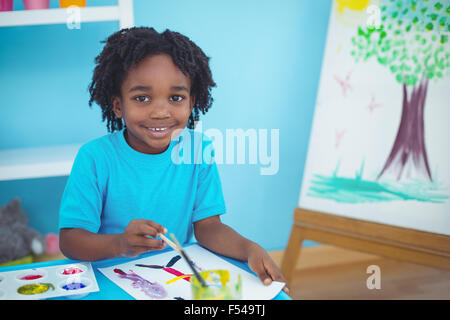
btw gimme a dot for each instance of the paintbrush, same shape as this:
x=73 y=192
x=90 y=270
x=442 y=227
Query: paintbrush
x=188 y=260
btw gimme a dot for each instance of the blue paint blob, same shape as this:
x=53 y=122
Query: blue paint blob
x=74 y=286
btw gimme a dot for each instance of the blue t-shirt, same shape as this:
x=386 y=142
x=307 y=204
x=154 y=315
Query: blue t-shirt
x=111 y=184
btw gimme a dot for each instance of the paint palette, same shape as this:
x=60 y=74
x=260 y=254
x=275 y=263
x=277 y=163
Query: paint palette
x=72 y=280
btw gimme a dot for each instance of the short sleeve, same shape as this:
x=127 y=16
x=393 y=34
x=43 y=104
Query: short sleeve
x=209 y=200
x=81 y=203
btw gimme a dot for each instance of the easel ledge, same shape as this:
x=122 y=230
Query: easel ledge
x=410 y=245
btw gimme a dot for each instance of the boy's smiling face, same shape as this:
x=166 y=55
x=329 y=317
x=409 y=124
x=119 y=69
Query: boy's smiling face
x=155 y=105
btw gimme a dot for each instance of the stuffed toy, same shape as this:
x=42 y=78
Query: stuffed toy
x=17 y=239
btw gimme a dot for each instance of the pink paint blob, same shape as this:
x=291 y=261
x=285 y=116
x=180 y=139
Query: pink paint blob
x=31 y=277
x=74 y=270
x=177 y=273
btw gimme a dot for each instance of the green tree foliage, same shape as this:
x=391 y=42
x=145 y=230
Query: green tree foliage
x=412 y=40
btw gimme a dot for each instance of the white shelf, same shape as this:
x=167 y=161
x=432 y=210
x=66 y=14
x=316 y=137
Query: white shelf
x=29 y=163
x=123 y=12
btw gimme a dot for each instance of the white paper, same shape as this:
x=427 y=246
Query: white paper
x=252 y=288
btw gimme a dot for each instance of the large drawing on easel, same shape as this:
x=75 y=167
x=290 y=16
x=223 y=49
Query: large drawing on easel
x=380 y=141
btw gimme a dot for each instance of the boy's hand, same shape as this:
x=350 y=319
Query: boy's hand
x=260 y=262
x=135 y=239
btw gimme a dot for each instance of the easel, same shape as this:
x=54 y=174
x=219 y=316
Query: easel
x=389 y=241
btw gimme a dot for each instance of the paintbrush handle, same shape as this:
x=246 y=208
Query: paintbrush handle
x=181 y=251
x=170 y=243
x=199 y=277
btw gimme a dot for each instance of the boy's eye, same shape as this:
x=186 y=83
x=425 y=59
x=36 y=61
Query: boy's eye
x=141 y=98
x=176 y=98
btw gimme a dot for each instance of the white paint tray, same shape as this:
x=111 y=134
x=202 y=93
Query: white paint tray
x=74 y=280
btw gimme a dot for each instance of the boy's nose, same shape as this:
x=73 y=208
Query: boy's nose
x=160 y=110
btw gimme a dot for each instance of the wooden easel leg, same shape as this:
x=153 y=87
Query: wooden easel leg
x=292 y=253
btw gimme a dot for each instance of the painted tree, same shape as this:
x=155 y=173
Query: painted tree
x=412 y=42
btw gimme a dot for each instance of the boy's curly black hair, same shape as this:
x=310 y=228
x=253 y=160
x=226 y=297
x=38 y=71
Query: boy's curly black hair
x=127 y=47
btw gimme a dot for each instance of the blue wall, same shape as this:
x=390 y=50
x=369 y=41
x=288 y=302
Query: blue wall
x=265 y=57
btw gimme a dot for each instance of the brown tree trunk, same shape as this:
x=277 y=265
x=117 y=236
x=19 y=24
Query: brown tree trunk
x=408 y=157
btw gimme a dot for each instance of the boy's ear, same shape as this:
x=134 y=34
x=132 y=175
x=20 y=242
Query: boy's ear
x=117 y=107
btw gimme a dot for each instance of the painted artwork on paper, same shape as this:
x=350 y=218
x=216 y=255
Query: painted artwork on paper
x=382 y=115
x=167 y=276
x=151 y=289
x=168 y=268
